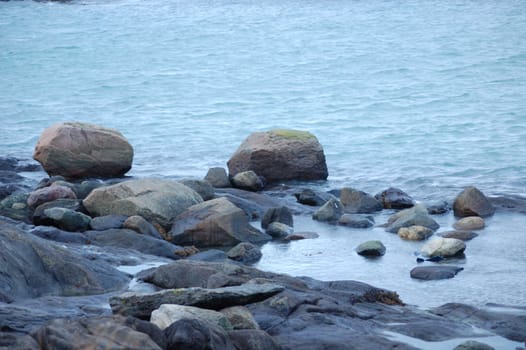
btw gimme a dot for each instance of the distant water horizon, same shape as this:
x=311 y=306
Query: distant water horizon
x=428 y=97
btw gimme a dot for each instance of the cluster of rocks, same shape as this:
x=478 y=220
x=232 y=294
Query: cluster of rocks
x=64 y=240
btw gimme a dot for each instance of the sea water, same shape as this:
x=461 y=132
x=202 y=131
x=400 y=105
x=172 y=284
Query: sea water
x=427 y=96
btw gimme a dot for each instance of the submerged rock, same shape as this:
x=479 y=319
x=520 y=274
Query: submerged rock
x=473 y=345
x=435 y=272
x=81 y=150
x=395 y=198
x=280 y=155
x=472 y=202
x=462 y=235
x=356 y=220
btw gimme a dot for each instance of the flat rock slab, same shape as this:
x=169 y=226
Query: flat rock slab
x=142 y=305
x=428 y=273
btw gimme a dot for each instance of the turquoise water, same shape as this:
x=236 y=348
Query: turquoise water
x=427 y=96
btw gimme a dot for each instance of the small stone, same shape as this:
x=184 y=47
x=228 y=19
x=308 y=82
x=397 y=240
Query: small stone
x=470 y=223
x=330 y=211
x=282 y=215
x=429 y=273
x=240 y=317
x=359 y=202
x=279 y=230
x=139 y=224
x=415 y=233
x=395 y=198
x=462 y=235
x=203 y=188
x=472 y=202
x=245 y=252
x=218 y=177
x=107 y=222
x=437 y=208
x=371 y=249
x=301 y=235
x=444 y=247
x=167 y=314
x=249 y=181
x=313 y=198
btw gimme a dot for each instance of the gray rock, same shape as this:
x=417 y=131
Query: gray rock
x=330 y=211
x=66 y=219
x=279 y=230
x=470 y=223
x=31 y=266
x=356 y=220
x=240 y=317
x=107 y=222
x=510 y=203
x=210 y=255
x=416 y=216
x=93 y=333
x=280 y=155
x=216 y=222
x=253 y=204
x=296 y=236
x=167 y=314
x=359 y=202
x=54 y=234
x=462 y=235
x=253 y=339
x=72 y=204
x=371 y=249
x=248 y=180
x=15 y=207
x=84 y=188
x=245 y=252
x=17 y=341
x=130 y=239
x=444 y=247
x=80 y=150
x=282 y=215
x=142 y=305
x=192 y=334
x=473 y=345
x=311 y=197
x=157 y=200
x=140 y=225
x=437 y=207
x=218 y=177
x=395 y=198
x=204 y=188
x=435 y=272
x=472 y=202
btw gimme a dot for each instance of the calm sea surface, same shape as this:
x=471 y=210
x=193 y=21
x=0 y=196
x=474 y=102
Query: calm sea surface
x=428 y=96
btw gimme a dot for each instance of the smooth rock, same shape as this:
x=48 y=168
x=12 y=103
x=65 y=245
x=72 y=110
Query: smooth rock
x=156 y=200
x=395 y=198
x=72 y=204
x=253 y=204
x=107 y=222
x=509 y=203
x=192 y=334
x=203 y=188
x=279 y=230
x=415 y=216
x=167 y=314
x=253 y=339
x=470 y=223
x=216 y=222
x=330 y=211
x=435 y=272
x=371 y=249
x=84 y=188
x=81 y=150
x=240 y=317
x=48 y=194
x=308 y=196
x=93 y=333
x=358 y=202
x=296 y=236
x=280 y=155
x=472 y=202
x=141 y=305
x=31 y=267
x=129 y=239
x=248 y=181
x=415 y=233
x=473 y=345
x=282 y=215
x=444 y=247
x=66 y=219
x=462 y=235
x=140 y=225
x=437 y=207
x=356 y=220
x=15 y=207
x=245 y=252
x=218 y=177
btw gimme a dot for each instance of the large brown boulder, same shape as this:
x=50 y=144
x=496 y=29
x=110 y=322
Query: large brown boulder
x=79 y=150
x=216 y=222
x=280 y=155
x=472 y=202
x=156 y=200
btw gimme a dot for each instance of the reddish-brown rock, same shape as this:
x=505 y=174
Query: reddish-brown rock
x=280 y=155
x=79 y=150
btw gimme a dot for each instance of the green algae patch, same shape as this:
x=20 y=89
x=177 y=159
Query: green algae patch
x=292 y=134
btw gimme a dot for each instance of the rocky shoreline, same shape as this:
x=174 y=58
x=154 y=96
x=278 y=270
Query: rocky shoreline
x=66 y=243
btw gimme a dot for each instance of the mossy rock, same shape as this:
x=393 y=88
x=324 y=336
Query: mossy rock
x=292 y=134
